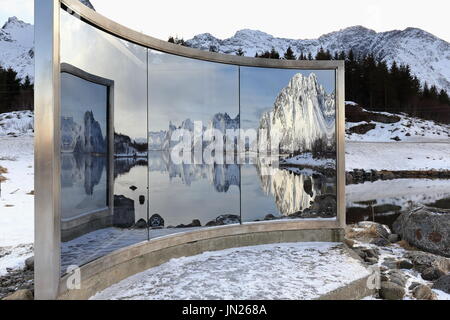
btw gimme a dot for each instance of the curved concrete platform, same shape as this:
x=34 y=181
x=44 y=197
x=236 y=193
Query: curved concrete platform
x=117 y=266
x=283 y=271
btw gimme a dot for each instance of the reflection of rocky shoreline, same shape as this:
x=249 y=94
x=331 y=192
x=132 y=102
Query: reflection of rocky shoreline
x=123 y=165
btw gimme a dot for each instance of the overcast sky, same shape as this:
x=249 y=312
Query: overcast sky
x=298 y=19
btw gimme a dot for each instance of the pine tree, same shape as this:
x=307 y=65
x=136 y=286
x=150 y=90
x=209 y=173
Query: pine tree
x=289 y=54
x=240 y=52
x=274 y=54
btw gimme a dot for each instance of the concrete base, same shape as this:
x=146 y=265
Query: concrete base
x=108 y=270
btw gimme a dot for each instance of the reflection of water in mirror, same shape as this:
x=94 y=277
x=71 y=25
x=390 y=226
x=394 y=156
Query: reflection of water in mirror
x=382 y=201
x=83 y=184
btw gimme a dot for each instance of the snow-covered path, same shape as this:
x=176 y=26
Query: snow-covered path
x=277 y=271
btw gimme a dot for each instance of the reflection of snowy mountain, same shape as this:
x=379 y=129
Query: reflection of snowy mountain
x=164 y=140
x=303 y=113
x=81 y=168
x=82 y=138
x=221 y=176
x=294 y=191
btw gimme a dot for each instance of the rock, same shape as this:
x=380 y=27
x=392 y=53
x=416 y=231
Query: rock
x=390 y=263
x=393 y=238
x=413 y=285
x=443 y=284
x=362 y=128
x=423 y=260
x=360 y=253
x=325 y=205
x=20 y=295
x=155 y=221
x=349 y=242
x=371 y=260
x=404 y=264
x=424 y=292
x=226 y=219
x=29 y=263
x=396 y=138
x=381 y=230
x=123 y=216
x=381 y=242
x=133 y=188
x=391 y=291
x=269 y=217
x=398 y=277
x=194 y=223
x=432 y=273
x=372 y=252
x=426 y=228
x=141 y=224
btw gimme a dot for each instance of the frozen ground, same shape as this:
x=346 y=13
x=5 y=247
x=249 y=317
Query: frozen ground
x=408 y=129
x=16 y=201
x=397 y=156
x=284 y=271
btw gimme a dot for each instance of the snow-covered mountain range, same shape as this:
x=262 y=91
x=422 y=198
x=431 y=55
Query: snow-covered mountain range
x=303 y=113
x=427 y=55
x=17 y=45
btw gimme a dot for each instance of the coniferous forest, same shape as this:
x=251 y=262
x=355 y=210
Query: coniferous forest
x=15 y=93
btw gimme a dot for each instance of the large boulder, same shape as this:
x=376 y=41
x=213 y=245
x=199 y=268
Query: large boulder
x=443 y=284
x=423 y=292
x=391 y=291
x=426 y=228
x=424 y=260
x=124 y=213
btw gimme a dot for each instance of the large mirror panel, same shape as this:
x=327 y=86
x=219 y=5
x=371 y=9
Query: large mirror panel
x=123 y=64
x=289 y=169
x=194 y=178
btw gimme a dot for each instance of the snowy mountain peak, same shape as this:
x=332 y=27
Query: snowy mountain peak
x=427 y=55
x=14 y=22
x=303 y=113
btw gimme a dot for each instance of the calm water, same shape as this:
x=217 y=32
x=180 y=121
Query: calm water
x=183 y=193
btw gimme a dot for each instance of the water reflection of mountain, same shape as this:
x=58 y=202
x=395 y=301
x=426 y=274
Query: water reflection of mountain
x=82 y=167
x=222 y=176
x=294 y=190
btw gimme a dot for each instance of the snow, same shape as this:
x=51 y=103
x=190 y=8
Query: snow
x=17 y=47
x=16 y=123
x=14 y=257
x=306 y=159
x=16 y=205
x=399 y=156
x=282 y=271
x=408 y=129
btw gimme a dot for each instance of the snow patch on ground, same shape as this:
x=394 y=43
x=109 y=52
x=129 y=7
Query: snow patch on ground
x=14 y=257
x=399 y=156
x=17 y=192
x=17 y=123
x=276 y=271
x=408 y=129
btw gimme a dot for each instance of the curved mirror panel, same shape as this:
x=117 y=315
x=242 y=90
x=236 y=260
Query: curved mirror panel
x=102 y=56
x=194 y=177
x=289 y=118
